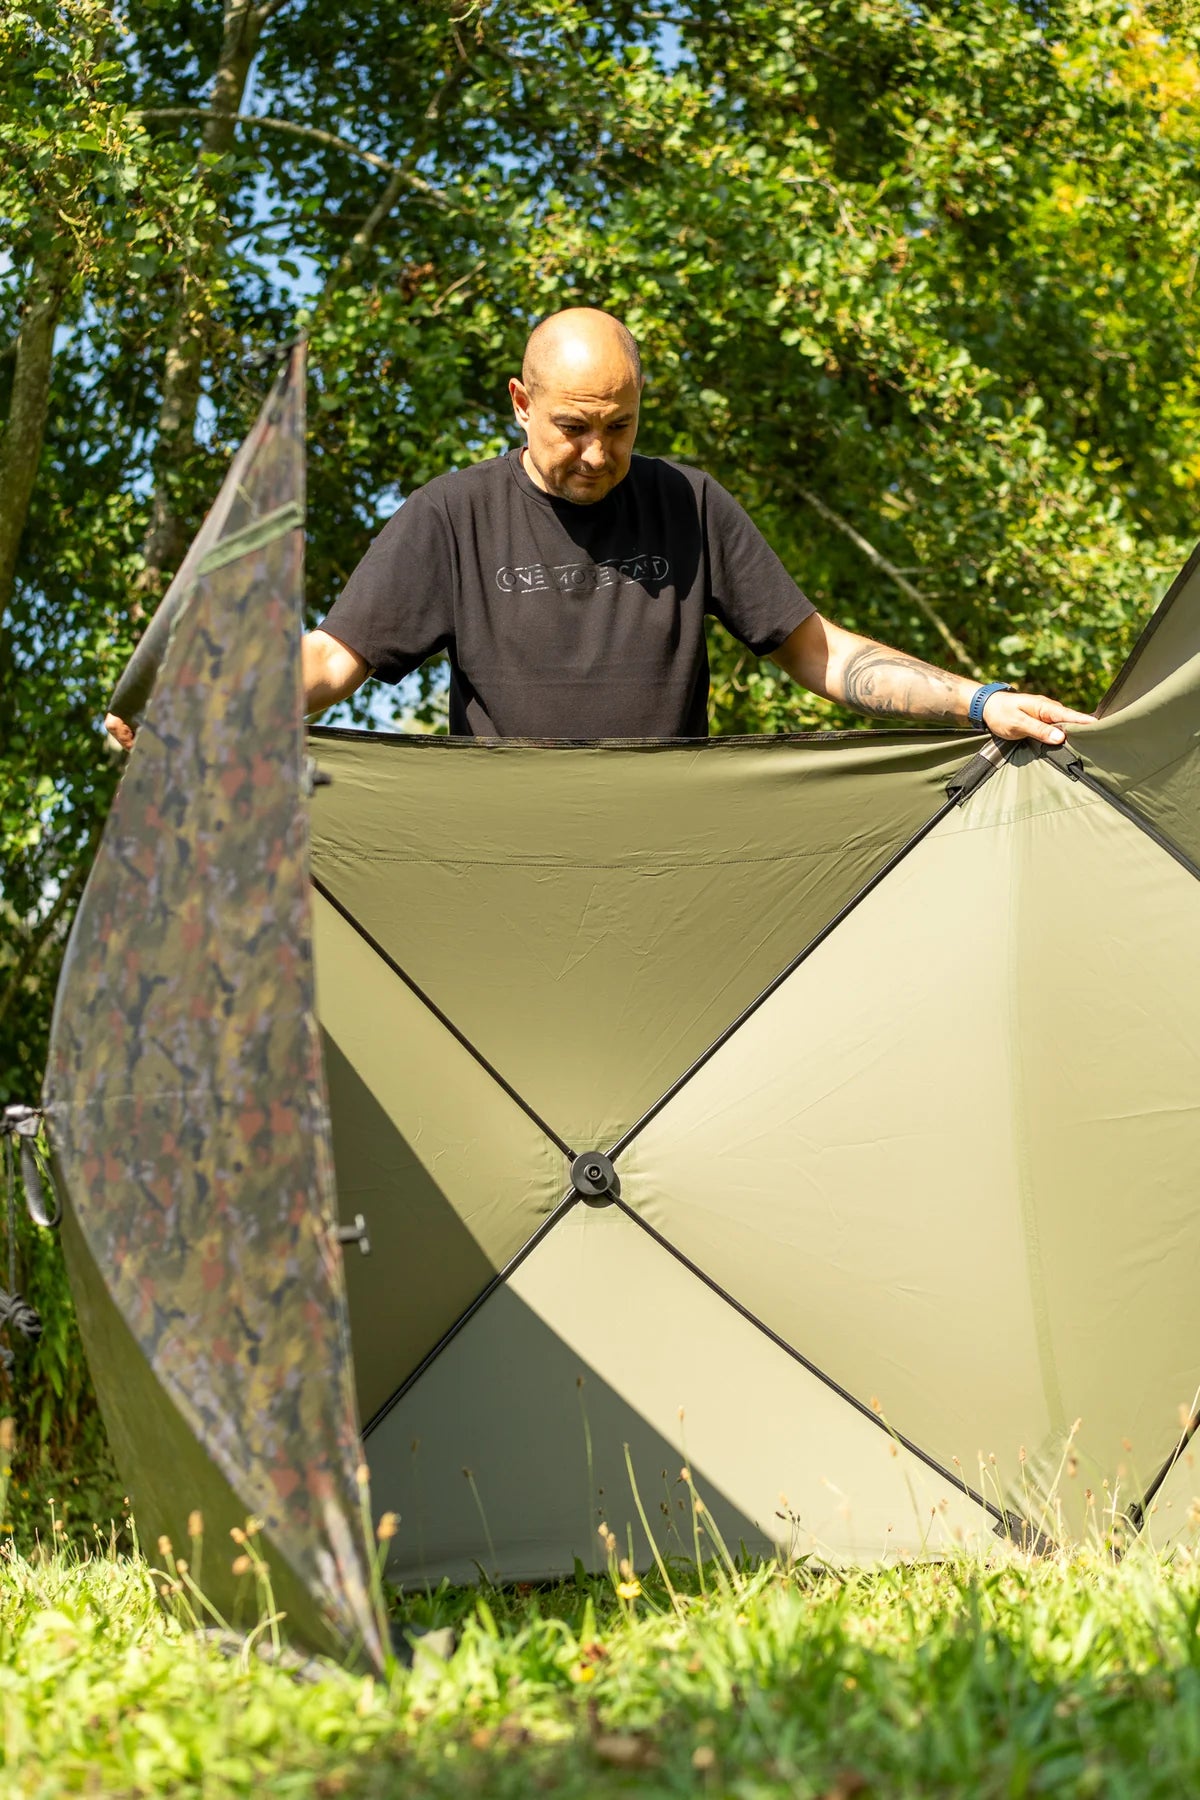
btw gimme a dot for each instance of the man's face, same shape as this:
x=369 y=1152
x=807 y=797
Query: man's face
x=581 y=431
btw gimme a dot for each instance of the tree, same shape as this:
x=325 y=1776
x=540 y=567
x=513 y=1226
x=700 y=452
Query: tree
x=915 y=278
x=87 y=194
x=161 y=232
x=919 y=283
x=381 y=185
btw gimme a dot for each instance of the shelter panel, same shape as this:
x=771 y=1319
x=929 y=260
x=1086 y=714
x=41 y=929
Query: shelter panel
x=599 y=1340
x=1151 y=758
x=450 y=1176
x=184 y=1095
x=1169 y=642
x=1109 y=1057
x=169 y=1473
x=590 y=918
x=948 y=1159
x=1147 y=744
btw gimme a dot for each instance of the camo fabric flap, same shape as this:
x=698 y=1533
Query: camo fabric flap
x=185 y=1091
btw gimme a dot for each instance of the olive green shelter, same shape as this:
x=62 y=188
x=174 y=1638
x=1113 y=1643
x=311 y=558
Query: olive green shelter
x=819 y=1115
x=888 y=1045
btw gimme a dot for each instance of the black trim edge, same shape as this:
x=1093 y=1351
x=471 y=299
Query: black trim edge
x=955 y=798
x=1017 y=1530
x=485 y=1293
x=1069 y=763
x=931 y=1462
x=1148 y=630
x=754 y=740
x=440 y=1016
x=1139 y=1512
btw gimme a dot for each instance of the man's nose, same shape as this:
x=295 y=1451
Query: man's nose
x=592 y=454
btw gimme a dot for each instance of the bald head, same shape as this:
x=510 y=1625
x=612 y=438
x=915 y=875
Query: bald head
x=577 y=402
x=581 y=345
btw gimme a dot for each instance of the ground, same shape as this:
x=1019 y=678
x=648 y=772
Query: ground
x=1011 y=1677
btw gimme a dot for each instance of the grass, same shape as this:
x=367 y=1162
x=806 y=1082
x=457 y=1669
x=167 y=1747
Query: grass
x=1005 y=1678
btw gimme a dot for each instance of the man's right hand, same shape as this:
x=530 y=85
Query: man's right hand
x=332 y=671
x=119 y=731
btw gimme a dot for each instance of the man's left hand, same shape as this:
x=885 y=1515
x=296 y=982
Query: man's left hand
x=1010 y=716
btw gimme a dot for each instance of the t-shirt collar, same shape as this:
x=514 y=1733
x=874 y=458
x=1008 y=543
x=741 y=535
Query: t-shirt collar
x=567 y=509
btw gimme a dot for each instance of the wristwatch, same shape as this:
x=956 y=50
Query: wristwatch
x=982 y=695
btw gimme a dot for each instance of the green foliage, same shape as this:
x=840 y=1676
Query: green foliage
x=96 y=207
x=68 y=1494
x=59 y=1463
x=999 y=1678
x=938 y=272
x=924 y=273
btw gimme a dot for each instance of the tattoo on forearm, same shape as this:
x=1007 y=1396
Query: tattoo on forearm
x=886 y=682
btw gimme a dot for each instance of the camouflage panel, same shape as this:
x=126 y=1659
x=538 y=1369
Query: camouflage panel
x=185 y=1094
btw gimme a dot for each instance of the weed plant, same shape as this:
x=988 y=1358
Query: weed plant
x=1019 y=1670
x=1008 y=1676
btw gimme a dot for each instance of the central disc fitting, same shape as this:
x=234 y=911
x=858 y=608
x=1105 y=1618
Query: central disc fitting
x=594 y=1178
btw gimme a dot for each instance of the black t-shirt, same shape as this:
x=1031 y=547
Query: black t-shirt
x=566 y=621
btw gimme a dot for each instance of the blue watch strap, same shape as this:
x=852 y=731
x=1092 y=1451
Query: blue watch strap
x=982 y=695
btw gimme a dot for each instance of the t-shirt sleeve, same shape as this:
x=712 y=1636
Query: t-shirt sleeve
x=397 y=609
x=751 y=592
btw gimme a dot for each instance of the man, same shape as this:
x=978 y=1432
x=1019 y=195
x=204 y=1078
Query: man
x=569 y=581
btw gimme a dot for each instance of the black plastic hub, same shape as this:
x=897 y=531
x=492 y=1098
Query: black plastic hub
x=594 y=1178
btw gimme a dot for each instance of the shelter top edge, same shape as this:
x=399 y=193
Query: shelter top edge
x=758 y=741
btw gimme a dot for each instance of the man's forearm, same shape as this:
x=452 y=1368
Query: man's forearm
x=840 y=665
x=872 y=678
x=882 y=682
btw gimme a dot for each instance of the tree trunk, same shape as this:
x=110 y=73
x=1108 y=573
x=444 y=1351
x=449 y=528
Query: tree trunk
x=167 y=535
x=22 y=437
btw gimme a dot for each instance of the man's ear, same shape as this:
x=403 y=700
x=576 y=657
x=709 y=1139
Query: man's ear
x=519 y=395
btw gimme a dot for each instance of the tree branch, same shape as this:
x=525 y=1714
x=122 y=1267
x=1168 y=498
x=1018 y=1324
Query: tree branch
x=401 y=177
x=455 y=286
x=166 y=534
x=165 y=539
x=328 y=140
x=364 y=237
x=879 y=561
